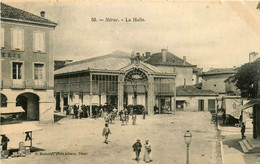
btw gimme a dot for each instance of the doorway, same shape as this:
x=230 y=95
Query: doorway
x=30 y=103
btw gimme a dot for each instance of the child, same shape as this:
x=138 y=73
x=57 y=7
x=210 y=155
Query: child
x=106 y=132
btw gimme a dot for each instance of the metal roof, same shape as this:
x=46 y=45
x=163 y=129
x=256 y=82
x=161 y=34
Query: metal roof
x=110 y=62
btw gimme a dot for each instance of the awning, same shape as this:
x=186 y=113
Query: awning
x=250 y=104
x=18 y=128
x=5 y=110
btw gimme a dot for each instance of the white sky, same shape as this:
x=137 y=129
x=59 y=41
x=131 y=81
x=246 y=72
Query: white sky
x=209 y=34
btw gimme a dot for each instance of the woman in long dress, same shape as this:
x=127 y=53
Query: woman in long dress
x=147 y=152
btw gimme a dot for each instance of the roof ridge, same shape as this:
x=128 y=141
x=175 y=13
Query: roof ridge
x=98 y=57
x=20 y=10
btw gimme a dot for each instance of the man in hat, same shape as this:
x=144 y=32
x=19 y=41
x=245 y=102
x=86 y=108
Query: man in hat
x=137 y=149
x=243 y=129
x=106 y=132
x=4 y=142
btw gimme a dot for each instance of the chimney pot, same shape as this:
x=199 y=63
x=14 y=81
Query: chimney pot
x=147 y=54
x=253 y=56
x=164 y=55
x=43 y=14
x=184 y=60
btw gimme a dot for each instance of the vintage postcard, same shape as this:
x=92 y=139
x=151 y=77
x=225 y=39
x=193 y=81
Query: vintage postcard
x=125 y=82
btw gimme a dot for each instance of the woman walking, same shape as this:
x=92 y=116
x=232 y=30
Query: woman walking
x=147 y=152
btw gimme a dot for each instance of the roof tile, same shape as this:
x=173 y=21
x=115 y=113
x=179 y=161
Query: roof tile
x=14 y=13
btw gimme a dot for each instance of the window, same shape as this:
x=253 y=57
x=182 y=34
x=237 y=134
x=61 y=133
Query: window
x=38 y=71
x=17 y=39
x=17 y=70
x=2 y=38
x=38 y=41
x=215 y=85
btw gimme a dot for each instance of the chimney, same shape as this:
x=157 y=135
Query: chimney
x=184 y=86
x=43 y=14
x=253 y=56
x=184 y=60
x=164 y=54
x=147 y=54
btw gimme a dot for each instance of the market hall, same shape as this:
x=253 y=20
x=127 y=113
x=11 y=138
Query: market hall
x=117 y=79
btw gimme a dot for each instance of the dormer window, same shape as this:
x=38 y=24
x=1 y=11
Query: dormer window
x=17 y=39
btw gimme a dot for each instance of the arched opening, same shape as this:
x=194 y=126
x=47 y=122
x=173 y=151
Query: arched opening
x=135 y=88
x=30 y=103
x=3 y=100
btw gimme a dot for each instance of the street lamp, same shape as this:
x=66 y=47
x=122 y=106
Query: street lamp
x=187 y=139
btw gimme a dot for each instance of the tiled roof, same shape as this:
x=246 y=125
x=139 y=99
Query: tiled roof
x=171 y=59
x=217 y=71
x=21 y=15
x=110 y=62
x=191 y=90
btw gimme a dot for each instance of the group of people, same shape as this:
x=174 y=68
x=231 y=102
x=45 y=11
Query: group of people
x=124 y=117
x=83 y=111
x=137 y=147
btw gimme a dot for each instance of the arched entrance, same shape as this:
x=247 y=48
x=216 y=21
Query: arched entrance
x=3 y=100
x=30 y=103
x=135 y=88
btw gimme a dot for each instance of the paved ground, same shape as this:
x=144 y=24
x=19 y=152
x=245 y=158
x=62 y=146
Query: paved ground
x=165 y=132
x=232 y=151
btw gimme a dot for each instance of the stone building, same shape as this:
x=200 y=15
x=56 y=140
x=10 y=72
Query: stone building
x=214 y=79
x=190 y=98
x=27 y=63
x=185 y=72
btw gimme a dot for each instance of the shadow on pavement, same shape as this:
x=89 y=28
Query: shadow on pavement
x=36 y=149
x=58 y=118
x=234 y=143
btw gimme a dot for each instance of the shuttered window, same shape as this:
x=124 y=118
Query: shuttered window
x=38 y=41
x=17 y=39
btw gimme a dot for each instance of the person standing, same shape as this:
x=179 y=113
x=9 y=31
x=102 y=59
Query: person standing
x=243 y=129
x=144 y=112
x=134 y=119
x=120 y=115
x=137 y=146
x=4 y=142
x=224 y=117
x=106 y=132
x=80 y=113
x=126 y=117
x=147 y=152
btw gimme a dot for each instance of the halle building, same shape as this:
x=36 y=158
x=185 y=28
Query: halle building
x=27 y=78
x=116 y=79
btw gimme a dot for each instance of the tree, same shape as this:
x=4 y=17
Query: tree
x=247 y=78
